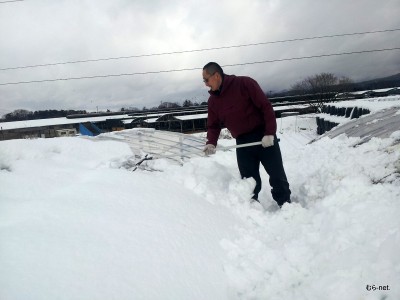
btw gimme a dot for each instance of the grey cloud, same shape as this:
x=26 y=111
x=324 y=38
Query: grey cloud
x=39 y=32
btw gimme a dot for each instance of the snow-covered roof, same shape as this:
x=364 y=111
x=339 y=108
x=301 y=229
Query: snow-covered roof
x=150 y=120
x=373 y=104
x=379 y=124
x=55 y=121
x=383 y=90
x=360 y=92
x=127 y=121
x=191 y=117
x=279 y=108
x=369 y=91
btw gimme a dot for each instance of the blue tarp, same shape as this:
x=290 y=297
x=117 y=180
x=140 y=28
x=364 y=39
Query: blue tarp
x=89 y=129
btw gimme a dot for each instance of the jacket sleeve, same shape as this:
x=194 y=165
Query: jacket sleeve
x=213 y=126
x=261 y=101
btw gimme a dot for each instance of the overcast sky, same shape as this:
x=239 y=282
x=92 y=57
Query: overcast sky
x=36 y=32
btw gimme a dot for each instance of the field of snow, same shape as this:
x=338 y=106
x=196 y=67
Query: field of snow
x=75 y=224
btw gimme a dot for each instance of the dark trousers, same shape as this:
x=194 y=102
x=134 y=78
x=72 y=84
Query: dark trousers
x=249 y=159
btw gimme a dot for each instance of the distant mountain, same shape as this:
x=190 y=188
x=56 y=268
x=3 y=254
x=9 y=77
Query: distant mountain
x=373 y=84
x=379 y=83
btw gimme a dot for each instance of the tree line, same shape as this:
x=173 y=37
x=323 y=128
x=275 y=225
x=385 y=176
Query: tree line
x=23 y=114
x=164 y=105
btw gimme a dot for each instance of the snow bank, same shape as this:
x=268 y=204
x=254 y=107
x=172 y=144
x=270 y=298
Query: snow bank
x=75 y=224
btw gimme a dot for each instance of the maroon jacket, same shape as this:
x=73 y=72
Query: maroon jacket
x=241 y=106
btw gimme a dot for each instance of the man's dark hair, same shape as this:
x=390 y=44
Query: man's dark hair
x=213 y=67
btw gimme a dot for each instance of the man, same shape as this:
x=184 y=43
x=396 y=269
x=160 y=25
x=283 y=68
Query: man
x=239 y=104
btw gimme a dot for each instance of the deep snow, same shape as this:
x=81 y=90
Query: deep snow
x=76 y=224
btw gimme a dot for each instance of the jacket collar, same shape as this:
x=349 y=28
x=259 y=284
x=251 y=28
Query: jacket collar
x=226 y=81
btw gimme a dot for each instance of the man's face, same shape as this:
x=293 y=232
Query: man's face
x=212 y=80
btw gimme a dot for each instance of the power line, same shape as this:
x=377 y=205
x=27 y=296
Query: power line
x=199 y=50
x=196 y=68
x=2 y=2
x=313 y=56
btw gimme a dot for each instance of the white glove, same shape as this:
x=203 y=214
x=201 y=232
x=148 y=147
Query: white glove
x=209 y=149
x=267 y=141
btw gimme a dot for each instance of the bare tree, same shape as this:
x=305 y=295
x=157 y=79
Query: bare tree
x=321 y=88
x=187 y=103
x=345 y=86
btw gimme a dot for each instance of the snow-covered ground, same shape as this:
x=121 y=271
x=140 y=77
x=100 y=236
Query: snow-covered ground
x=76 y=224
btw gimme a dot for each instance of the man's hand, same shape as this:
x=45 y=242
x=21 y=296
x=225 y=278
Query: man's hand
x=209 y=149
x=267 y=141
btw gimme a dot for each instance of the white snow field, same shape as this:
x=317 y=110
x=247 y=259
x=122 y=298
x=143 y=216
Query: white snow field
x=77 y=223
